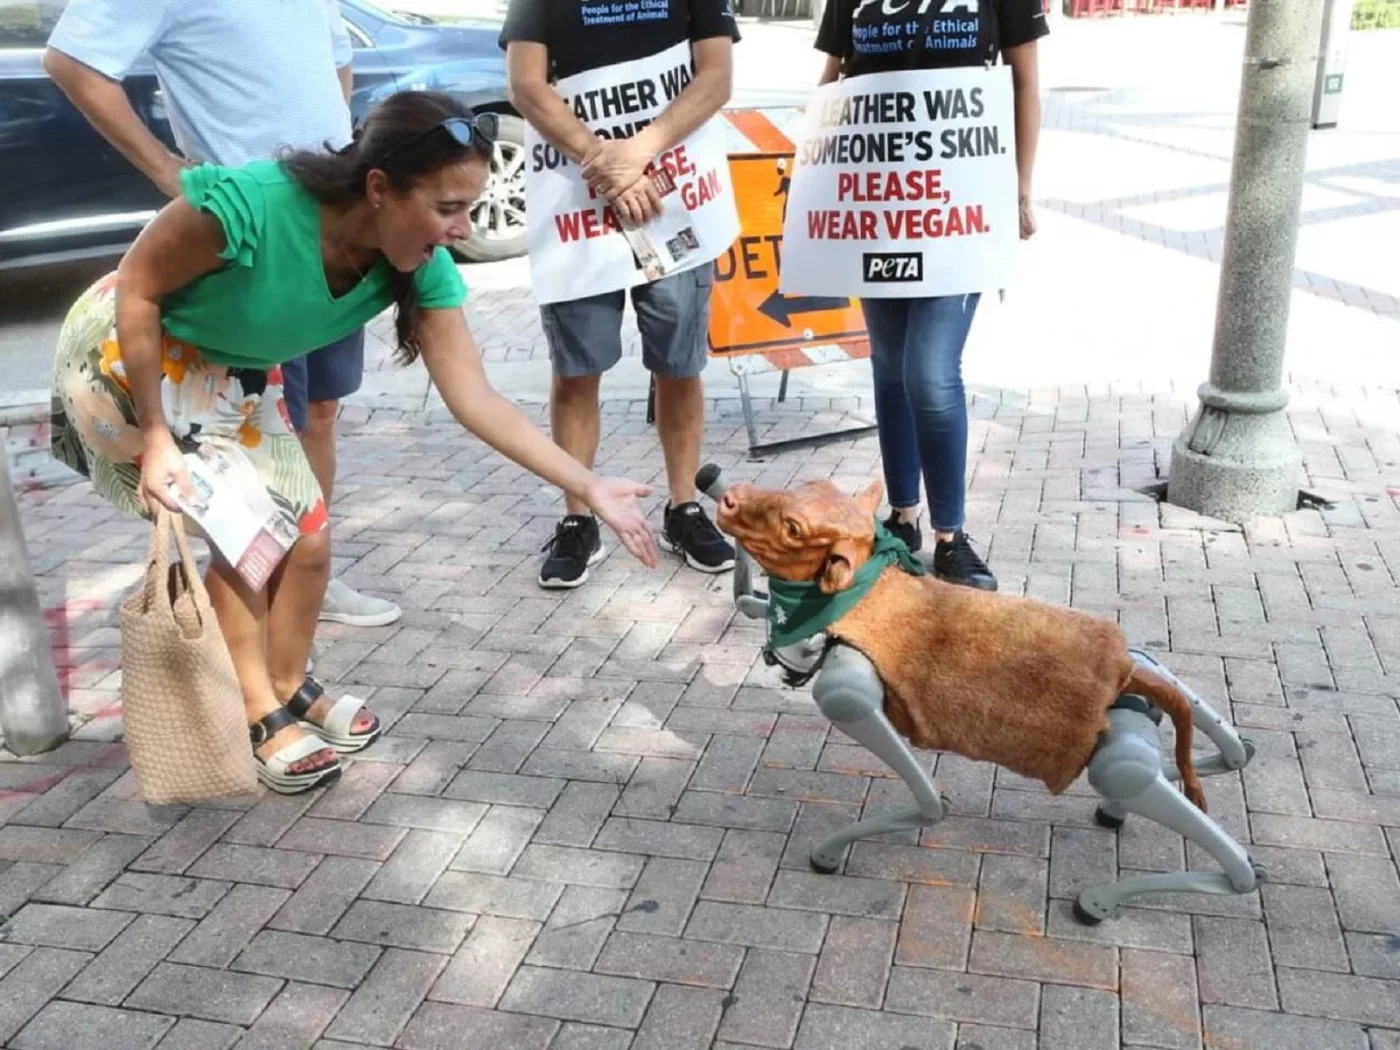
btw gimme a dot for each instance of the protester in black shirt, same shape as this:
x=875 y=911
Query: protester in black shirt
x=547 y=40
x=917 y=344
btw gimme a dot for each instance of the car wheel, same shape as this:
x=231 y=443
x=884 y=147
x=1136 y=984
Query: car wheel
x=498 y=218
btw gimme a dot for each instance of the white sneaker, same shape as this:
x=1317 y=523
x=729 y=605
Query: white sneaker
x=343 y=604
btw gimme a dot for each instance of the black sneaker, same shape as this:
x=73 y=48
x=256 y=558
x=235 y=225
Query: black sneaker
x=576 y=545
x=689 y=531
x=908 y=531
x=956 y=562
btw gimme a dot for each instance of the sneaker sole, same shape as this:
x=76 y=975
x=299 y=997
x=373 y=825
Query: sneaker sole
x=966 y=583
x=363 y=620
x=568 y=585
x=698 y=566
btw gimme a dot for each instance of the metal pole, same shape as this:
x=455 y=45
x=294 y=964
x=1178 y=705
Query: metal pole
x=33 y=715
x=1331 y=63
x=1237 y=457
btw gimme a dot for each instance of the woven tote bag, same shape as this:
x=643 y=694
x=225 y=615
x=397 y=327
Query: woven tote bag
x=185 y=728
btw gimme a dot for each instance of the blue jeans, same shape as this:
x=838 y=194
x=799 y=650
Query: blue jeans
x=916 y=350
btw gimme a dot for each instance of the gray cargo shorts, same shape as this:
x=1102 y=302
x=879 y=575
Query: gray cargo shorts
x=673 y=316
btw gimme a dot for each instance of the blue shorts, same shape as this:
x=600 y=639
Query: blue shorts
x=328 y=374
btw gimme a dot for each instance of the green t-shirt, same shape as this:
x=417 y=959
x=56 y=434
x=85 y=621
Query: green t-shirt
x=269 y=302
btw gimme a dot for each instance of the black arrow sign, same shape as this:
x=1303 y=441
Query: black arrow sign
x=781 y=307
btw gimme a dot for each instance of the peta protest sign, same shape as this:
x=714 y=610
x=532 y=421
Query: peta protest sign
x=577 y=244
x=905 y=186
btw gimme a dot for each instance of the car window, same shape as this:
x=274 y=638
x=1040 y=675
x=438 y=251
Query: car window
x=27 y=23
x=359 y=40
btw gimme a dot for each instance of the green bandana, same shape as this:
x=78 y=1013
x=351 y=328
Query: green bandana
x=800 y=610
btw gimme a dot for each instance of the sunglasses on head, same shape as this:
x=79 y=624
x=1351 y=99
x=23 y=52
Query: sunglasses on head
x=465 y=131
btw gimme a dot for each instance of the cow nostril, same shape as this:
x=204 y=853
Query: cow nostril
x=728 y=502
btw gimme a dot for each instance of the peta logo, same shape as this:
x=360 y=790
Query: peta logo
x=893 y=267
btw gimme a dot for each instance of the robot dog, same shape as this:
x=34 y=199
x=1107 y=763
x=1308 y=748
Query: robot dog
x=1048 y=692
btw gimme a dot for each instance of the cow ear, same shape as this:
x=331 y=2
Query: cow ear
x=871 y=497
x=839 y=569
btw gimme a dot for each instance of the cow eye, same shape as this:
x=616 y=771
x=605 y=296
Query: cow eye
x=794 y=530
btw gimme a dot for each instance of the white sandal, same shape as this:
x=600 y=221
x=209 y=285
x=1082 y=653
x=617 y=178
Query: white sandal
x=274 y=770
x=336 y=729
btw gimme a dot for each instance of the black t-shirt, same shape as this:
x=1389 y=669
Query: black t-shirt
x=881 y=36
x=588 y=34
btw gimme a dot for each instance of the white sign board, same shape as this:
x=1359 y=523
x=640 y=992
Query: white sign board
x=905 y=187
x=577 y=247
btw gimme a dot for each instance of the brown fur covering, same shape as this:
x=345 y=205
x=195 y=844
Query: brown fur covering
x=995 y=677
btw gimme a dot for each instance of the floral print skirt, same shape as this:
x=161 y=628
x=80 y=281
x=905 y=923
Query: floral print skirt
x=224 y=415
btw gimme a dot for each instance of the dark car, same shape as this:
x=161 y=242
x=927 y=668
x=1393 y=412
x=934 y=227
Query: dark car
x=65 y=193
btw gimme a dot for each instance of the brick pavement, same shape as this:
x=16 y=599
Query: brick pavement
x=587 y=824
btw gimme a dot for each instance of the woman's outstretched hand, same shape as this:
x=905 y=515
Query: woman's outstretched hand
x=163 y=473
x=614 y=500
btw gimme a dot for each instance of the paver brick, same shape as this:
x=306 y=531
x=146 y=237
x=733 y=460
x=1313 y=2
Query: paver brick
x=507 y=789
x=1341 y=997
x=361 y=783
x=907 y=863
x=757 y=927
x=430 y=814
x=1329 y=836
x=30 y=984
x=484 y=965
x=660 y=839
x=60 y=802
x=78 y=1026
x=578 y=815
x=507 y=748
x=322 y=899
x=255 y=864
x=43 y=845
x=1374 y=955
x=1367 y=892
x=343 y=838
x=937 y=927
x=985 y=1037
x=230 y=927
x=744 y=866
x=980 y=835
x=497 y=842
x=841 y=1028
x=573 y=996
x=736 y=811
x=126 y=817
x=297 y=957
x=663 y=897
x=670 y=960
x=269 y=820
x=413 y=870
x=190 y=1034
x=728 y=763
x=1229 y=1028
x=1078 y=1019
x=180 y=896
x=403 y=926
x=573 y=1036
x=596 y=766
x=384 y=1002
x=680 y=1018
x=1160 y=1002
x=1044 y=959
x=1303 y=928
x=1234 y=966
x=93 y=871
x=768 y=998
x=963 y=997
x=578 y=927
x=55 y=926
x=655 y=788
x=838 y=894
x=581 y=867
x=855 y=962
x=440 y=1026
x=110 y=978
x=209 y=995
x=492 y=895
x=298 y=1015
x=186 y=842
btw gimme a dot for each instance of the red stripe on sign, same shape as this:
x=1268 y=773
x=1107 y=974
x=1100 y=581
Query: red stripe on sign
x=787 y=359
x=759 y=130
